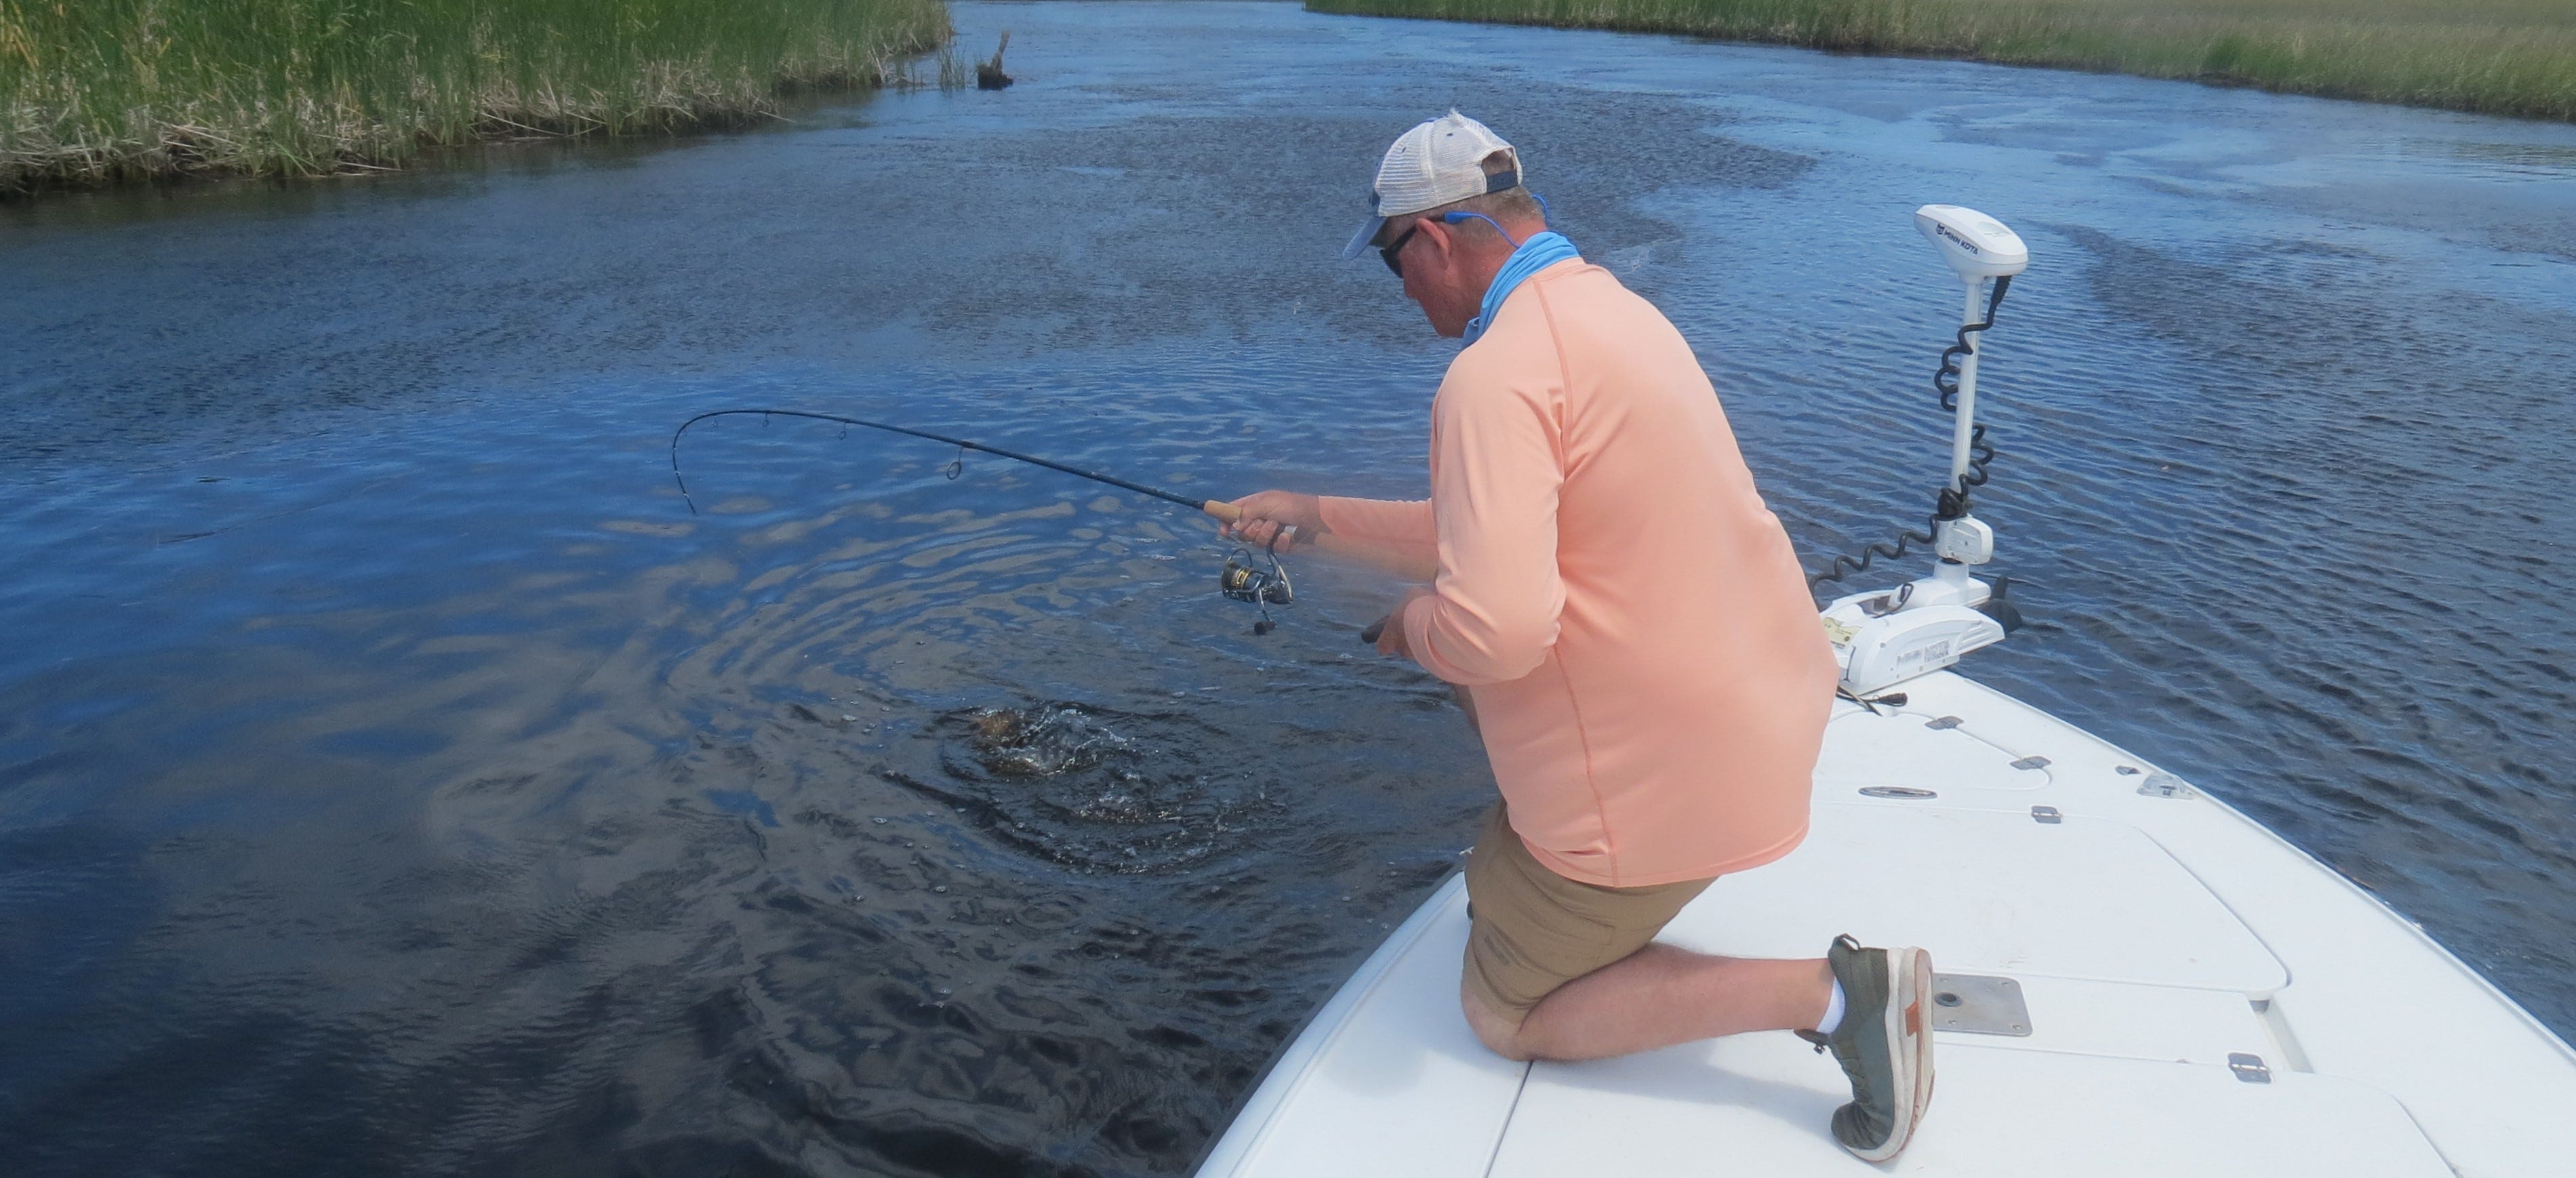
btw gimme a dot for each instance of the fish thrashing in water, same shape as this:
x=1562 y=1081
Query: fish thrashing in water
x=1043 y=742
x=1098 y=791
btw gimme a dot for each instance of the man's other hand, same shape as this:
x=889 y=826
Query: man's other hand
x=1266 y=512
x=1391 y=640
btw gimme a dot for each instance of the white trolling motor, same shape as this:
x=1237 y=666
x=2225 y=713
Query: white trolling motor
x=1886 y=637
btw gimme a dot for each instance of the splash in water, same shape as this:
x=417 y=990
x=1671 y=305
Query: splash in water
x=1044 y=742
x=1098 y=791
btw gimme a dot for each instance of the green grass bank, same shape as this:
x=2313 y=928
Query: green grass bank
x=97 y=91
x=2512 y=57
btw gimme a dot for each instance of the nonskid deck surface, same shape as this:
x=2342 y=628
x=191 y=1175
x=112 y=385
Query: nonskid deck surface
x=2197 y=997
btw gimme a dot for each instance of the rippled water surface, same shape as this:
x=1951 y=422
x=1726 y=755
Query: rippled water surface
x=396 y=777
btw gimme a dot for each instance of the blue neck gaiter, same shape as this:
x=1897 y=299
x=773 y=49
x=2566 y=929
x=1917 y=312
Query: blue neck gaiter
x=1542 y=250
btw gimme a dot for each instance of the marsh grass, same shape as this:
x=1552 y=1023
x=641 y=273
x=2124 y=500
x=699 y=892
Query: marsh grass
x=2515 y=57
x=949 y=72
x=102 y=90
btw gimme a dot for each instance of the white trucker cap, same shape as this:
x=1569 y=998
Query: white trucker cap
x=1438 y=162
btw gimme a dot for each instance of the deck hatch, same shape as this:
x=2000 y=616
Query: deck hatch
x=1758 y=1105
x=1895 y=749
x=1988 y=892
x=1979 y=1004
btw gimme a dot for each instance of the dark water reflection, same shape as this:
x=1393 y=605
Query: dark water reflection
x=395 y=776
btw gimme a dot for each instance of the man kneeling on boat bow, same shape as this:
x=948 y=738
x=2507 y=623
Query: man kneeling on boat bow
x=1633 y=635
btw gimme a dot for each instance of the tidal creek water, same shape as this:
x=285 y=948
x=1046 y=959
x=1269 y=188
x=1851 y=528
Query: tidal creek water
x=396 y=777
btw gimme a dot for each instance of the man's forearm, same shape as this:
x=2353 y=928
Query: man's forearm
x=1393 y=535
x=1411 y=562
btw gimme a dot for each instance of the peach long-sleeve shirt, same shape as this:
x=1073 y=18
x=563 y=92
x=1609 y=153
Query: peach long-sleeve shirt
x=1627 y=616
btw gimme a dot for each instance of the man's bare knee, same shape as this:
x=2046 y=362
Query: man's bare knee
x=1500 y=1035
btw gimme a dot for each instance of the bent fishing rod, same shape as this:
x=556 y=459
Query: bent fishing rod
x=1241 y=579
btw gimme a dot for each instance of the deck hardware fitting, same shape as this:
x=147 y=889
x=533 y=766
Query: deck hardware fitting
x=1943 y=722
x=1979 y=1004
x=2248 y=1067
x=2031 y=763
x=1895 y=791
x=2164 y=785
x=2046 y=815
x=2127 y=770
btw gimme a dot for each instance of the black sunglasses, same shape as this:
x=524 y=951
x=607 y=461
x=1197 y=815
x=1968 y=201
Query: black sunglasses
x=1387 y=253
x=1497 y=182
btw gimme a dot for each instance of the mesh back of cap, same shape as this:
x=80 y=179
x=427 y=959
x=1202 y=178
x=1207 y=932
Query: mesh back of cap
x=1438 y=162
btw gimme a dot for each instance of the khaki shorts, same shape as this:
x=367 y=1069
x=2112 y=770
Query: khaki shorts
x=1532 y=930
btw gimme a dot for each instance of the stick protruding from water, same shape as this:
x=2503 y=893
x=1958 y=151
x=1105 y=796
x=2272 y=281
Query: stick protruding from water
x=988 y=74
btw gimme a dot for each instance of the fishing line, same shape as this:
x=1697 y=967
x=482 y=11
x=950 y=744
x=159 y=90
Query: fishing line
x=1241 y=579
x=953 y=469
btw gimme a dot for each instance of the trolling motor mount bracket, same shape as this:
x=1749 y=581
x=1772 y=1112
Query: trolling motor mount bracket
x=1967 y=540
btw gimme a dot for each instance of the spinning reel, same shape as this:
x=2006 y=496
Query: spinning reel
x=1244 y=580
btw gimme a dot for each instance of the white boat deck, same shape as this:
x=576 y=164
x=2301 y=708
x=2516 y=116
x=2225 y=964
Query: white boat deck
x=2201 y=999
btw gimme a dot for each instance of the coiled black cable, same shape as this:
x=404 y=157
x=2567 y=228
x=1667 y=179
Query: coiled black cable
x=1951 y=502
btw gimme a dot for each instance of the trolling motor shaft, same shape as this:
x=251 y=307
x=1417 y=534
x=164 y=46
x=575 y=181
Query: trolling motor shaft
x=1886 y=637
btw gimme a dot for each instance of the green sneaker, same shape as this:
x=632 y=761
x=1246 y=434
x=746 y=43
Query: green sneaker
x=1883 y=1045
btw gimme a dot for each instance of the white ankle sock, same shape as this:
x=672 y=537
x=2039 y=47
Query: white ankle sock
x=1833 y=1011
